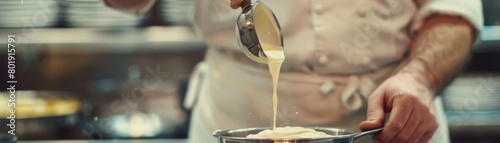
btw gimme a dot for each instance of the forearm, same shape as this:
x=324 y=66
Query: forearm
x=439 y=51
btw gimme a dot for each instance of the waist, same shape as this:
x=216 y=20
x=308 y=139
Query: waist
x=350 y=88
x=241 y=61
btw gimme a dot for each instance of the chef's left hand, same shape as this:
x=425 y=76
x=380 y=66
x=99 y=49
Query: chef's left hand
x=409 y=103
x=131 y=6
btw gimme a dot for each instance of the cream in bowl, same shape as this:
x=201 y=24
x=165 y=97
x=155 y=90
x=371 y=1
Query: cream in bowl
x=289 y=132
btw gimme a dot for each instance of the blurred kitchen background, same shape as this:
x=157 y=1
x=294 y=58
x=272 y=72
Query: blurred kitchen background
x=129 y=74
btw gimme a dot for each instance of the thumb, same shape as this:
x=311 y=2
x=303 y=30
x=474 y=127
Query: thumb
x=236 y=3
x=375 y=115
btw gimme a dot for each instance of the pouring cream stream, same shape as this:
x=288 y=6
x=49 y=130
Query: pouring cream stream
x=270 y=40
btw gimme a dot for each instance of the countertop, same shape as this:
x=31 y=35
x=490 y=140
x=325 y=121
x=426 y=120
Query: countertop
x=113 y=141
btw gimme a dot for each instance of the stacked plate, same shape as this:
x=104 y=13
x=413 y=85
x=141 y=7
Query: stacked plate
x=473 y=94
x=93 y=13
x=28 y=13
x=177 y=12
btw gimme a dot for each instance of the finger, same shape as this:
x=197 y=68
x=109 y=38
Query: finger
x=400 y=112
x=425 y=130
x=236 y=3
x=427 y=136
x=375 y=116
x=410 y=126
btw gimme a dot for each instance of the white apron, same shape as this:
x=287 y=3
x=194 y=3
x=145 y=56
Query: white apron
x=234 y=95
x=337 y=53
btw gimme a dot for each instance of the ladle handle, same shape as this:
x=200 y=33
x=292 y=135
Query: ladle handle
x=369 y=132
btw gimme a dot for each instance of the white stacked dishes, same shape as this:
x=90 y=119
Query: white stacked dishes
x=28 y=13
x=177 y=12
x=94 y=13
x=473 y=94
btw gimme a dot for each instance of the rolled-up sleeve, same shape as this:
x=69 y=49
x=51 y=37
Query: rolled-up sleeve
x=470 y=10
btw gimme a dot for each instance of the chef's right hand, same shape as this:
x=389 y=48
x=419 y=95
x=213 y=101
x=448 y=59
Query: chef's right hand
x=409 y=103
x=237 y=3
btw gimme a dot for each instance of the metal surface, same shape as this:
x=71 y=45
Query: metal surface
x=338 y=136
x=7 y=138
x=112 y=141
x=247 y=35
x=489 y=40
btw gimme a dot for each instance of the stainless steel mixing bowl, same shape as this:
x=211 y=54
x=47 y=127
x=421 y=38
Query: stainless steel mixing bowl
x=338 y=136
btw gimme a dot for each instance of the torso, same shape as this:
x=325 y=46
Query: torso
x=322 y=35
x=326 y=41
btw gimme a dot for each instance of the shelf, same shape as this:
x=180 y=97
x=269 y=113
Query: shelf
x=124 y=39
x=487 y=118
x=158 y=37
x=490 y=39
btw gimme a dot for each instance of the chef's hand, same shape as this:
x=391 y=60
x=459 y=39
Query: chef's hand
x=409 y=104
x=136 y=7
x=237 y=3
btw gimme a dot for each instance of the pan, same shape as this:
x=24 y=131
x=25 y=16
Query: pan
x=43 y=114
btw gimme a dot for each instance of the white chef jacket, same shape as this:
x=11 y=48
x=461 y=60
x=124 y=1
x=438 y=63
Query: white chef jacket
x=337 y=52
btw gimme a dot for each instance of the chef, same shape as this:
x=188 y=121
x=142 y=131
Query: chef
x=354 y=64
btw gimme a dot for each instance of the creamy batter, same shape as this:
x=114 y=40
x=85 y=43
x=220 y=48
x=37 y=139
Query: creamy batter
x=270 y=40
x=289 y=132
x=274 y=61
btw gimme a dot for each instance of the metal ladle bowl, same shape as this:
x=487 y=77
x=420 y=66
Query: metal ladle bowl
x=246 y=32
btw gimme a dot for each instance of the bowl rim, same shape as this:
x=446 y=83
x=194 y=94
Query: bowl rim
x=217 y=133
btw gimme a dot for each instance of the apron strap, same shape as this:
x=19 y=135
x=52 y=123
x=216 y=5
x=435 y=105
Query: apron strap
x=357 y=89
x=195 y=84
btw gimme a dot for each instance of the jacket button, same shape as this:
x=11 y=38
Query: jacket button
x=365 y=61
x=319 y=9
x=323 y=60
x=327 y=87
